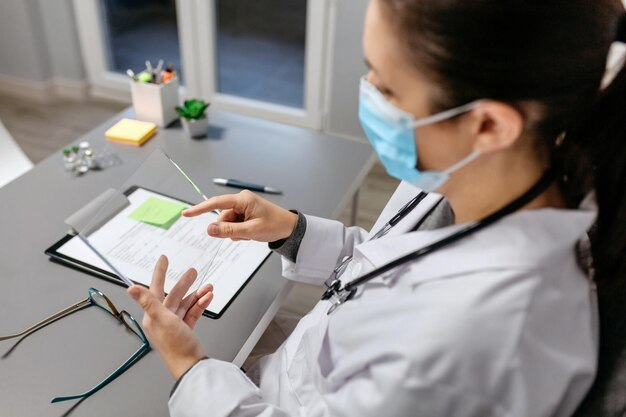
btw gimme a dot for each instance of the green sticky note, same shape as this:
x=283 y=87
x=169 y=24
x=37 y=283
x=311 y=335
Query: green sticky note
x=157 y=212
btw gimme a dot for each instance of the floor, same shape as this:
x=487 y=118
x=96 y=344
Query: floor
x=43 y=129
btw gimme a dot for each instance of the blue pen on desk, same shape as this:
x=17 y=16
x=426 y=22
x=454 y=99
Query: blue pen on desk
x=246 y=185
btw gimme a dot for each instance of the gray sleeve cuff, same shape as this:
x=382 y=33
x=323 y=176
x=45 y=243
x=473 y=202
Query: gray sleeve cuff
x=289 y=247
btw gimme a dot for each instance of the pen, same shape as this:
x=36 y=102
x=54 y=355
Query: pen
x=246 y=185
x=168 y=74
x=150 y=70
x=131 y=74
x=157 y=72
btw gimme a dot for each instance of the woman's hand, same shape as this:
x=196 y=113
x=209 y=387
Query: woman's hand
x=169 y=321
x=246 y=216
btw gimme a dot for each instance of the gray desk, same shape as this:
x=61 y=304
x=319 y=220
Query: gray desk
x=318 y=174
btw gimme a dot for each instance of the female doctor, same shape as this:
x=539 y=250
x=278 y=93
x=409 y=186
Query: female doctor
x=476 y=305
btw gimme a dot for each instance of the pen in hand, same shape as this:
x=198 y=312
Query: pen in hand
x=246 y=185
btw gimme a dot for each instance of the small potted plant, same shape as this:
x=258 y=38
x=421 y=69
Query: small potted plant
x=193 y=117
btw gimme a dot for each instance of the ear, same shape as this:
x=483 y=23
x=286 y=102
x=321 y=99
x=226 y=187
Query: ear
x=496 y=126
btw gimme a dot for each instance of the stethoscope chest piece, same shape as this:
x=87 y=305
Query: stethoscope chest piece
x=337 y=295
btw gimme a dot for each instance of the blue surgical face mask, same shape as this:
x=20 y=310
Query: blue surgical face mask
x=391 y=132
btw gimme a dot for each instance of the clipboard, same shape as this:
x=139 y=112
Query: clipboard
x=57 y=254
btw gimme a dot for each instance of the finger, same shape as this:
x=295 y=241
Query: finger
x=186 y=303
x=230 y=216
x=220 y=202
x=192 y=298
x=231 y=230
x=196 y=310
x=147 y=300
x=158 y=278
x=172 y=301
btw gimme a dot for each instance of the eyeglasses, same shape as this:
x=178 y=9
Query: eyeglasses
x=100 y=300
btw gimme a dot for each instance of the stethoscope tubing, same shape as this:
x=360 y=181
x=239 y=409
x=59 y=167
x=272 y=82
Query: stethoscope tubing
x=540 y=186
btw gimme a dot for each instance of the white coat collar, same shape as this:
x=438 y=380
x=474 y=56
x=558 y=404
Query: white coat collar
x=522 y=240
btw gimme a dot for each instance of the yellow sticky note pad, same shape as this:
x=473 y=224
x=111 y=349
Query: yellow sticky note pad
x=131 y=132
x=157 y=212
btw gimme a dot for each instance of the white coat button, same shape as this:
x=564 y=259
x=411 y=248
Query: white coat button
x=356 y=269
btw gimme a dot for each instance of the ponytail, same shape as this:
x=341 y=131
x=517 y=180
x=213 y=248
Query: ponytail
x=602 y=137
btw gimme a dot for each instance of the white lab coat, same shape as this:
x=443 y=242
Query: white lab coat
x=498 y=324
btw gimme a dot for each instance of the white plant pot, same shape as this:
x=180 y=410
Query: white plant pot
x=196 y=128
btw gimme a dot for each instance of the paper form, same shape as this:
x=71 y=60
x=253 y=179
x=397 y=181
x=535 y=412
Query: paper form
x=134 y=247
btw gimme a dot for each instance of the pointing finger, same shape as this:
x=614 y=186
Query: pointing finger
x=221 y=202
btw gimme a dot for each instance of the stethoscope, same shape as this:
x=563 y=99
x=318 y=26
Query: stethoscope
x=338 y=294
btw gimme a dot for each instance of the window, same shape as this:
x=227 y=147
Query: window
x=263 y=58
x=140 y=30
x=260 y=50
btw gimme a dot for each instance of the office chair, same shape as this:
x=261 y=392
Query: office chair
x=13 y=162
x=607 y=397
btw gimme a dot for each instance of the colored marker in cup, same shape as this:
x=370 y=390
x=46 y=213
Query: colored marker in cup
x=144 y=77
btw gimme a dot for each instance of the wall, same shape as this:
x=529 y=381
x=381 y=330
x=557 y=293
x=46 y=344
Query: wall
x=346 y=68
x=39 y=52
x=61 y=39
x=21 y=51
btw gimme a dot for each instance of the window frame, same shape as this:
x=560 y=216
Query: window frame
x=197 y=51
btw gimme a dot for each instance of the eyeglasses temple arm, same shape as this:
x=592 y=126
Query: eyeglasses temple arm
x=135 y=357
x=50 y=319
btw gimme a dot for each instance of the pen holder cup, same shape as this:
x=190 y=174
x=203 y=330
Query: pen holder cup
x=155 y=103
